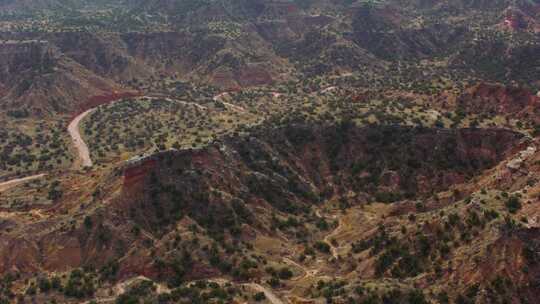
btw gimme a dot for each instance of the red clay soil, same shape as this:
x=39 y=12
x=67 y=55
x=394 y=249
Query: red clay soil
x=135 y=174
x=255 y=75
x=514 y=20
x=224 y=80
x=99 y=100
x=522 y=19
x=494 y=98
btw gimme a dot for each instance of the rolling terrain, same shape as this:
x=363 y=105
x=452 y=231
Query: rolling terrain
x=269 y=151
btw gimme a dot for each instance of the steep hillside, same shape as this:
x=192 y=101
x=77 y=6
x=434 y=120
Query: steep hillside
x=233 y=193
x=45 y=82
x=246 y=43
x=269 y=151
x=299 y=166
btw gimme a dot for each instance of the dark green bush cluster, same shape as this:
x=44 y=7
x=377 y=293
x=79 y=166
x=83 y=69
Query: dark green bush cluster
x=513 y=204
x=199 y=293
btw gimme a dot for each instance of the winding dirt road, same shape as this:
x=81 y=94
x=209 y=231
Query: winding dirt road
x=78 y=142
x=14 y=182
x=82 y=148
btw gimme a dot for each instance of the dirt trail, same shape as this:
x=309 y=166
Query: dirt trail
x=228 y=104
x=219 y=96
x=234 y=107
x=82 y=147
x=327 y=239
x=187 y=103
x=270 y=295
x=328 y=89
x=14 y=182
x=122 y=287
x=78 y=142
x=307 y=272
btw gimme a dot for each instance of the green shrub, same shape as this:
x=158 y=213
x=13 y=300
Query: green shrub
x=513 y=204
x=259 y=296
x=285 y=273
x=322 y=247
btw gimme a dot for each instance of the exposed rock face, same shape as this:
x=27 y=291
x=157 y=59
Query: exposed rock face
x=299 y=166
x=272 y=37
x=285 y=169
x=121 y=58
x=21 y=55
x=511 y=246
x=515 y=20
x=34 y=74
x=497 y=99
x=517 y=162
x=522 y=17
x=378 y=31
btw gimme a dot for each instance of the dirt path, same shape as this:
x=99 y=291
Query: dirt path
x=122 y=287
x=270 y=295
x=228 y=104
x=82 y=148
x=219 y=96
x=78 y=142
x=336 y=231
x=328 y=89
x=187 y=103
x=307 y=272
x=234 y=107
x=14 y=182
x=327 y=239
